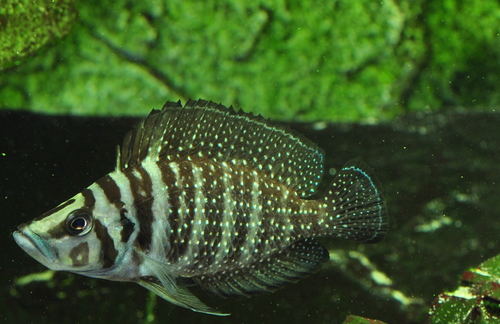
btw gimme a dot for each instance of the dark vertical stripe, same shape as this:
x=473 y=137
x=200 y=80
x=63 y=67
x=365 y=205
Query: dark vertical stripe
x=298 y=220
x=143 y=203
x=168 y=178
x=181 y=193
x=187 y=195
x=265 y=229
x=88 y=195
x=127 y=226
x=212 y=235
x=109 y=252
x=243 y=196
x=111 y=190
x=113 y=194
x=172 y=255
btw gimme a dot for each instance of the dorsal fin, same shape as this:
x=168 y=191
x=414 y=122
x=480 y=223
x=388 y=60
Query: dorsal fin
x=206 y=131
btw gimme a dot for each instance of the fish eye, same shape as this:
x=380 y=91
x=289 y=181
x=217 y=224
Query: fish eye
x=79 y=222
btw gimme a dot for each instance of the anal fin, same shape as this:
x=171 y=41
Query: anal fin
x=295 y=262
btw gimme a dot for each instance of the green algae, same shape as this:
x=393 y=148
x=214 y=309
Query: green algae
x=338 y=60
x=27 y=26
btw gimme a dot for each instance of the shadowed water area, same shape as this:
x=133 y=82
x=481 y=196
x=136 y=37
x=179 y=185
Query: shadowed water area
x=439 y=174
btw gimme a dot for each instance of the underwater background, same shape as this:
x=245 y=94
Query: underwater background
x=410 y=87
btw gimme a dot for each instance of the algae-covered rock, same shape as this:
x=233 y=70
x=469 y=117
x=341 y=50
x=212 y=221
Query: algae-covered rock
x=27 y=26
x=334 y=60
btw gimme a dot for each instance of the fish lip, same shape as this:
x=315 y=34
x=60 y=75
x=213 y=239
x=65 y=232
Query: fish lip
x=34 y=245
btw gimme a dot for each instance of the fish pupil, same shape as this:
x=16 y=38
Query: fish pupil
x=79 y=224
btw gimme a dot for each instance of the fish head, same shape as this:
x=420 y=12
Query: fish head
x=71 y=237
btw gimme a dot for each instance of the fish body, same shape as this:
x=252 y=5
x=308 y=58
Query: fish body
x=205 y=194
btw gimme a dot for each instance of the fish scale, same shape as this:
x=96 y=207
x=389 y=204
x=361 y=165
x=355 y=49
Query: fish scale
x=203 y=193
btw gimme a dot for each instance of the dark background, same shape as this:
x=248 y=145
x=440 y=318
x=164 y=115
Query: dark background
x=434 y=169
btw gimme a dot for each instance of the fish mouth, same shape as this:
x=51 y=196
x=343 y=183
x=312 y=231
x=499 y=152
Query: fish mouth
x=35 y=246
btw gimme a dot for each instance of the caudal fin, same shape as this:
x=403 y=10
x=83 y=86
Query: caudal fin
x=356 y=208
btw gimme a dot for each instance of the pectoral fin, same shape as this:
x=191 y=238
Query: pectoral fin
x=164 y=285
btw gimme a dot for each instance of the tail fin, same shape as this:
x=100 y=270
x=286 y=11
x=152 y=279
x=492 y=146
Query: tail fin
x=357 y=209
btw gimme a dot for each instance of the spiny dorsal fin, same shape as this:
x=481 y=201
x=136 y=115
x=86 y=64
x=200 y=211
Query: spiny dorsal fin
x=206 y=131
x=295 y=262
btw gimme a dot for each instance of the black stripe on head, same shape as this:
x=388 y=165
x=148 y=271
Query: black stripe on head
x=88 y=195
x=111 y=190
x=80 y=254
x=55 y=210
x=113 y=194
x=109 y=252
x=58 y=231
x=143 y=201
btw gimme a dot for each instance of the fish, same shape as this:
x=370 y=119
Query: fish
x=205 y=195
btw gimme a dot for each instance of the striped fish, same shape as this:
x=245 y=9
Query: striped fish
x=205 y=195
